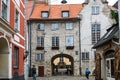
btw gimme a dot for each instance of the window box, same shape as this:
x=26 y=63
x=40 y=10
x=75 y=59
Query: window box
x=55 y=47
x=69 y=47
x=39 y=47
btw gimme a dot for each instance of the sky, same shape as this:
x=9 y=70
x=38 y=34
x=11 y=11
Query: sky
x=110 y=2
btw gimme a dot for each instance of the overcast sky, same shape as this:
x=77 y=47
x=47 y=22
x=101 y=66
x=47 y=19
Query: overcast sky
x=110 y=2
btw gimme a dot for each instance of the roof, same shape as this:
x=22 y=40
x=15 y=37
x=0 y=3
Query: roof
x=55 y=10
x=112 y=8
x=116 y=5
x=29 y=6
x=108 y=36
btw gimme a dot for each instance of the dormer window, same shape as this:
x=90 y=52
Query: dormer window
x=65 y=13
x=44 y=14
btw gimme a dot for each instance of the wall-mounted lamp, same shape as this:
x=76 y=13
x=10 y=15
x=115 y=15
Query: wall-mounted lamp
x=63 y=1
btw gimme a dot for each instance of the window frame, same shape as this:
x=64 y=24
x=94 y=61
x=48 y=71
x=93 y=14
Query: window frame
x=16 y=57
x=44 y=14
x=40 y=41
x=4 y=9
x=41 y=26
x=71 y=43
x=69 y=26
x=95 y=32
x=85 y=56
x=55 y=43
x=39 y=56
x=54 y=26
x=17 y=20
x=65 y=14
x=95 y=10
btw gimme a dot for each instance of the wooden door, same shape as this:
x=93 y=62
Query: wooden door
x=41 y=71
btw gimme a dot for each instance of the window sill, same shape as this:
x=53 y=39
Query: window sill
x=55 y=47
x=39 y=47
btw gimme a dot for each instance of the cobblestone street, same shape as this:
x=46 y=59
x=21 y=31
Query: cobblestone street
x=62 y=78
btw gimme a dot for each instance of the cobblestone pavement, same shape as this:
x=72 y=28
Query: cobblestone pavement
x=62 y=78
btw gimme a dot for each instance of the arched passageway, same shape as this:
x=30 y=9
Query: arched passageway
x=4 y=56
x=62 y=64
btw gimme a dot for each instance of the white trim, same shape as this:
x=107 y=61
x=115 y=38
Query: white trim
x=20 y=36
x=10 y=61
x=14 y=42
x=22 y=4
x=18 y=9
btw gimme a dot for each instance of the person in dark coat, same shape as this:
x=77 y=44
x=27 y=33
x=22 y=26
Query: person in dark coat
x=87 y=72
x=34 y=72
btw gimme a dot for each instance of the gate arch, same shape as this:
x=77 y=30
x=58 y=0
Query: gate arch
x=62 y=64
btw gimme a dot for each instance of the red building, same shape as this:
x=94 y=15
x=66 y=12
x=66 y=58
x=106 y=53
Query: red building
x=12 y=39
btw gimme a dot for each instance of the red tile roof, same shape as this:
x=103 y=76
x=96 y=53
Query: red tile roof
x=55 y=10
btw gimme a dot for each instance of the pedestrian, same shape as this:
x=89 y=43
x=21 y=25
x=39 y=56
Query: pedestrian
x=87 y=72
x=34 y=72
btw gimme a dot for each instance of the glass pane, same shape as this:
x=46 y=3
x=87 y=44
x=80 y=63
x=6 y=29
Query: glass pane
x=112 y=68
x=69 y=40
x=41 y=26
x=108 y=68
x=44 y=14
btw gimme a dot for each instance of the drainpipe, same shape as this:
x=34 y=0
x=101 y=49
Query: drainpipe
x=29 y=46
x=79 y=45
x=119 y=18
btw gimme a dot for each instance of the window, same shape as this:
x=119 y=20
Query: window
x=55 y=41
x=76 y=52
x=16 y=57
x=40 y=41
x=4 y=9
x=85 y=55
x=41 y=26
x=61 y=59
x=69 y=40
x=69 y=25
x=95 y=33
x=95 y=10
x=65 y=13
x=17 y=20
x=39 y=57
x=44 y=14
x=55 y=26
x=18 y=2
x=110 y=67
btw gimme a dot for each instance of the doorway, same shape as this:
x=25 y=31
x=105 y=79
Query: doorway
x=41 y=71
x=110 y=69
x=4 y=58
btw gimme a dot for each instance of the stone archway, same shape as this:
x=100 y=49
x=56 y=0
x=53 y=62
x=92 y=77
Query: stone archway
x=4 y=56
x=62 y=64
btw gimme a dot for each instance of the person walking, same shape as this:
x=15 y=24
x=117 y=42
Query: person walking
x=87 y=72
x=34 y=72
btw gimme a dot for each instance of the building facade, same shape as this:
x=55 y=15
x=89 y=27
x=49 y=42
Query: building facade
x=108 y=55
x=12 y=39
x=95 y=20
x=54 y=38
